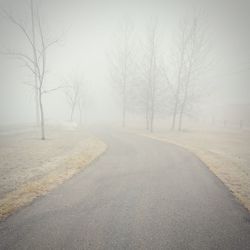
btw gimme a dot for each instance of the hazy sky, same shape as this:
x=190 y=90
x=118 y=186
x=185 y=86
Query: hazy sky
x=89 y=29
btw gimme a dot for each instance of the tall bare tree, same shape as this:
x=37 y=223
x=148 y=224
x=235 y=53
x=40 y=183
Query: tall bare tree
x=151 y=74
x=122 y=59
x=191 y=52
x=36 y=59
x=195 y=61
x=181 y=51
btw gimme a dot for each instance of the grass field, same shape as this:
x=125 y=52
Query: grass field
x=225 y=152
x=30 y=167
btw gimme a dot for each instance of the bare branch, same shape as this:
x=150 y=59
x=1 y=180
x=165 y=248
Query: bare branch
x=29 y=84
x=18 y=54
x=42 y=72
x=52 y=90
x=19 y=25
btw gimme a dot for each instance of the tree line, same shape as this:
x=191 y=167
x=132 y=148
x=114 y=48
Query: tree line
x=147 y=81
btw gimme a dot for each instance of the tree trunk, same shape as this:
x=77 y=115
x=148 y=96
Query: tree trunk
x=152 y=122
x=185 y=98
x=72 y=113
x=178 y=86
x=183 y=105
x=37 y=104
x=152 y=114
x=174 y=114
x=147 y=116
x=35 y=59
x=42 y=115
x=180 y=117
x=124 y=117
x=80 y=114
x=124 y=107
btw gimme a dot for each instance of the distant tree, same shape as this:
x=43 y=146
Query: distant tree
x=191 y=52
x=36 y=59
x=122 y=65
x=82 y=107
x=83 y=101
x=72 y=92
x=151 y=73
x=76 y=93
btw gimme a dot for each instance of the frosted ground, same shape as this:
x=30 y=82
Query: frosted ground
x=30 y=167
x=225 y=152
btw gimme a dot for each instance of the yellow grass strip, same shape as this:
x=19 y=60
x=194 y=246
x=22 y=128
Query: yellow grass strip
x=29 y=191
x=221 y=167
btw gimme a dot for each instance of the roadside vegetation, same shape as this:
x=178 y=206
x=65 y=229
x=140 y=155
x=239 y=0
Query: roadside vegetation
x=225 y=152
x=29 y=168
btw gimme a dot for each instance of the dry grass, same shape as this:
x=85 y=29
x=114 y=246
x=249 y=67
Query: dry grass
x=225 y=153
x=24 y=194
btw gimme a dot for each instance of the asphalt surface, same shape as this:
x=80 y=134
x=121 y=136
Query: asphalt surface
x=141 y=194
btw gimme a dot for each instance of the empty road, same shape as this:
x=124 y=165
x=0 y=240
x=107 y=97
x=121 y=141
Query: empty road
x=141 y=194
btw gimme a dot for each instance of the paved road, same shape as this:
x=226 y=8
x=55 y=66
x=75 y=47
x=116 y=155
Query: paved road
x=142 y=194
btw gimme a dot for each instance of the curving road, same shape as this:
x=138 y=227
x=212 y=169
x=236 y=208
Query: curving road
x=141 y=194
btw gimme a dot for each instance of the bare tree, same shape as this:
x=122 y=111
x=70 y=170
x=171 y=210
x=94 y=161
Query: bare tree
x=76 y=92
x=36 y=62
x=82 y=104
x=195 y=61
x=122 y=66
x=151 y=75
x=191 y=52
x=182 y=48
x=83 y=101
x=72 y=92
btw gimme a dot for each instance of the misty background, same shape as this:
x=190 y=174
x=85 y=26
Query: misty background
x=89 y=34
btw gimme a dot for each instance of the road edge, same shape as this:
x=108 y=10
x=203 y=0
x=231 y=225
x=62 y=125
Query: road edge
x=206 y=162
x=31 y=190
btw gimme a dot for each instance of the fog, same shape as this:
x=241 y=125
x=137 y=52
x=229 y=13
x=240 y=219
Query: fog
x=131 y=118
x=89 y=36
